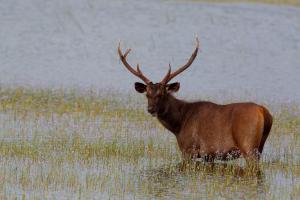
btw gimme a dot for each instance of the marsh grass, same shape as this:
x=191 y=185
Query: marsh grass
x=68 y=144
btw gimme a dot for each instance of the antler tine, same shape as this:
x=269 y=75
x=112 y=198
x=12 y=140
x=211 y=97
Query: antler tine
x=184 y=67
x=127 y=52
x=137 y=72
x=165 y=79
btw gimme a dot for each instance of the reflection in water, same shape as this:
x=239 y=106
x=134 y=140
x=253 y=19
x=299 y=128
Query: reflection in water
x=204 y=180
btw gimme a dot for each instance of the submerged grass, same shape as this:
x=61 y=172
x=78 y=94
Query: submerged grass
x=58 y=144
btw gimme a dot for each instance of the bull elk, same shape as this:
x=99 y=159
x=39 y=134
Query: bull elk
x=204 y=129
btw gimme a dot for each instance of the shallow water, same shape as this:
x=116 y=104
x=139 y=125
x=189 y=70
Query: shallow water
x=74 y=156
x=245 y=48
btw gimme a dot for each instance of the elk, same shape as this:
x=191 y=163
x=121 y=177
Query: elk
x=204 y=129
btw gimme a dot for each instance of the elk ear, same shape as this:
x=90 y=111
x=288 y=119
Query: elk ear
x=173 y=87
x=140 y=87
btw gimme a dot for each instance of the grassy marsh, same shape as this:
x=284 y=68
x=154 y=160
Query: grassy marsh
x=59 y=144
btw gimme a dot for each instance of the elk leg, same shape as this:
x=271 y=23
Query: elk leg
x=209 y=158
x=252 y=159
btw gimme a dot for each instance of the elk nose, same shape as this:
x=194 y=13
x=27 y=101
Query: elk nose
x=151 y=109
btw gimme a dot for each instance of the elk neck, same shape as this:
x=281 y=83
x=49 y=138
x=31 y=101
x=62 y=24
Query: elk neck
x=173 y=115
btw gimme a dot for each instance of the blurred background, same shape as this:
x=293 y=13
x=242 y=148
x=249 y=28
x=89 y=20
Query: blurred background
x=249 y=50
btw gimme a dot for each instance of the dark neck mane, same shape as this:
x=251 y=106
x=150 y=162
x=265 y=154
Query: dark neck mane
x=173 y=115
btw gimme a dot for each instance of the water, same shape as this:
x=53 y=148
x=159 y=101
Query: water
x=245 y=48
x=79 y=157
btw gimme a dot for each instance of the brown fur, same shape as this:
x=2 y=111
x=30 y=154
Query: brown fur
x=209 y=130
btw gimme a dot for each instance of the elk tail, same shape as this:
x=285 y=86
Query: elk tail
x=268 y=121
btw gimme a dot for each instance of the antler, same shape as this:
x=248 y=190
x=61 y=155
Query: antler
x=170 y=75
x=136 y=72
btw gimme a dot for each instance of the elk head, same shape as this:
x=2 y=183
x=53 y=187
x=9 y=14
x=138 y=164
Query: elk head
x=157 y=93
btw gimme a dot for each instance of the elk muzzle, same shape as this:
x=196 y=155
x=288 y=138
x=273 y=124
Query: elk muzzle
x=152 y=110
